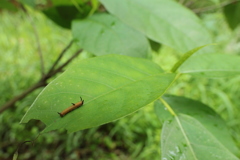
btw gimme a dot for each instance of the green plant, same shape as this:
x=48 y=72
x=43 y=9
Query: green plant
x=116 y=85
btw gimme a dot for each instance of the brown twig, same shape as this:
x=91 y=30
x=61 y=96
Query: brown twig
x=189 y=4
x=59 y=69
x=52 y=71
x=61 y=55
x=41 y=83
x=181 y=1
x=22 y=95
x=39 y=48
x=20 y=145
x=213 y=7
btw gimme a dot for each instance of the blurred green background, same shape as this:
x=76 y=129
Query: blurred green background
x=134 y=137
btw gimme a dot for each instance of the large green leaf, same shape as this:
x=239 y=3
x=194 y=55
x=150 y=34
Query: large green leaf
x=164 y=21
x=112 y=86
x=104 y=34
x=197 y=132
x=211 y=65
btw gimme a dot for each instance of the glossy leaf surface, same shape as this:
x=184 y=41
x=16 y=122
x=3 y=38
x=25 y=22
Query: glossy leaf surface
x=111 y=86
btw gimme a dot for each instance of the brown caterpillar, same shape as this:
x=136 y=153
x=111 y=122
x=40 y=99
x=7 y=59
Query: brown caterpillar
x=71 y=108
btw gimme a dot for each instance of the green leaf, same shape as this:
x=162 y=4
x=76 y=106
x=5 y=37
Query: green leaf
x=112 y=86
x=232 y=14
x=212 y=65
x=163 y=21
x=104 y=34
x=197 y=132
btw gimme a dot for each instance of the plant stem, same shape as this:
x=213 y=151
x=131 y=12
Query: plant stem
x=41 y=83
x=39 y=48
x=61 y=55
x=213 y=7
x=168 y=107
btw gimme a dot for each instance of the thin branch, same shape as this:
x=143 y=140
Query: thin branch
x=41 y=83
x=15 y=156
x=39 y=48
x=189 y=4
x=213 y=7
x=59 y=69
x=181 y=1
x=22 y=95
x=60 y=56
x=43 y=80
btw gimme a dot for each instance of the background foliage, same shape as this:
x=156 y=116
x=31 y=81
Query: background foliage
x=135 y=136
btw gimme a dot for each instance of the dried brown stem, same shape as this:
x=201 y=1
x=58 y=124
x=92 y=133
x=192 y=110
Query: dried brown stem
x=11 y=102
x=43 y=80
x=39 y=48
x=59 y=69
x=41 y=83
x=61 y=55
x=213 y=7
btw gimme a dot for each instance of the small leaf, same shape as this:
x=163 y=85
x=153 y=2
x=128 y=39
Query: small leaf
x=211 y=65
x=196 y=133
x=232 y=14
x=111 y=86
x=104 y=34
x=185 y=57
x=164 y=21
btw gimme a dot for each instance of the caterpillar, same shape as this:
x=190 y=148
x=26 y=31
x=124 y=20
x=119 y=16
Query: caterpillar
x=71 y=108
